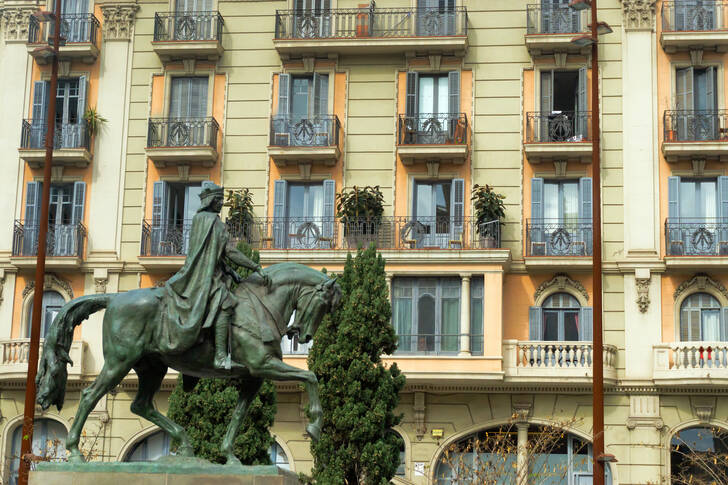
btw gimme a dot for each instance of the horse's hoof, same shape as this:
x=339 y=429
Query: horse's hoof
x=232 y=460
x=314 y=431
x=76 y=457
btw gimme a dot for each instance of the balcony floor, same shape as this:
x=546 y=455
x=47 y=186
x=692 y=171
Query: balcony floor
x=425 y=153
x=712 y=39
x=292 y=155
x=456 y=45
x=542 y=44
x=210 y=50
x=67 y=157
x=544 y=152
x=52 y=262
x=205 y=156
x=687 y=150
x=85 y=52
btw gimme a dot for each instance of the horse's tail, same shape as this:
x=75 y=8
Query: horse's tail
x=52 y=372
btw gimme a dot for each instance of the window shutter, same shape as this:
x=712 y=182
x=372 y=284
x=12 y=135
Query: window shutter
x=82 y=93
x=458 y=207
x=411 y=108
x=724 y=324
x=673 y=197
x=684 y=91
x=41 y=91
x=585 y=198
x=586 y=325
x=279 y=213
x=316 y=95
x=79 y=199
x=329 y=208
x=722 y=199
x=547 y=87
x=33 y=194
x=582 y=105
x=284 y=94
x=453 y=86
x=198 y=97
x=535 y=325
x=536 y=208
x=710 y=97
x=159 y=202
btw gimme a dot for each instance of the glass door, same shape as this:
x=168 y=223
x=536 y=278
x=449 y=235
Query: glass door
x=558 y=18
x=193 y=20
x=305 y=215
x=75 y=26
x=192 y=204
x=561 y=215
x=60 y=224
x=434 y=109
x=312 y=19
x=187 y=112
x=432 y=214
x=436 y=17
x=67 y=113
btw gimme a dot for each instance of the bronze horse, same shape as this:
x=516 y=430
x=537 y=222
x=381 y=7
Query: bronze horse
x=128 y=328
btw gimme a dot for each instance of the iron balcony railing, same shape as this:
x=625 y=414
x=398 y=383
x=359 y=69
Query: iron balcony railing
x=171 y=238
x=559 y=237
x=182 y=132
x=433 y=129
x=552 y=19
x=370 y=22
x=75 y=28
x=62 y=240
x=692 y=15
x=695 y=125
x=694 y=236
x=558 y=126
x=66 y=135
x=297 y=131
x=179 y=26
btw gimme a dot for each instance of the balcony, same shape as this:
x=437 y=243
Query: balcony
x=690 y=134
x=550 y=28
x=691 y=25
x=79 y=38
x=371 y=30
x=14 y=359
x=294 y=140
x=559 y=135
x=182 y=141
x=71 y=144
x=188 y=35
x=430 y=137
x=688 y=364
x=65 y=245
x=696 y=242
x=553 y=243
x=555 y=362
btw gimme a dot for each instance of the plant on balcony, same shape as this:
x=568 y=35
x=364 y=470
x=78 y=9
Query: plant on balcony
x=240 y=216
x=489 y=208
x=360 y=210
x=94 y=121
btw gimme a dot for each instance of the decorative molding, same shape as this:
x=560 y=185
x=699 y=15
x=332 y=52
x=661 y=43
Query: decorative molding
x=419 y=408
x=644 y=411
x=700 y=281
x=698 y=167
x=2 y=285
x=435 y=61
x=184 y=172
x=308 y=63
x=101 y=278
x=304 y=169
x=696 y=57
x=118 y=20
x=433 y=169
x=562 y=282
x=521 y=410
x=703 y=408
x=50 y=281
x=560 y=59
x=560 y=167
x=15 y=22
x=643 y=293
x=638 y=14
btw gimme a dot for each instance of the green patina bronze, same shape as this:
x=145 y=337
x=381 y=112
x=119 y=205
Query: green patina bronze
x=198 y=326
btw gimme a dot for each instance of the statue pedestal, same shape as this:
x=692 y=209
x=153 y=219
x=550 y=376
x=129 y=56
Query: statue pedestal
x=178 y=472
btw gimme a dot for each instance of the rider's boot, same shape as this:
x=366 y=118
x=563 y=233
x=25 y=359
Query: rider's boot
x=222 y=333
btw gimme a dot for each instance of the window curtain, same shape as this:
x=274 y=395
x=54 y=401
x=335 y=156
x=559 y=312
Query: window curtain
x=402 y=313
x=710 y=325
x=450 y=324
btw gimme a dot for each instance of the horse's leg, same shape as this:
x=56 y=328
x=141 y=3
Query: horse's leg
x=245 y=396
x=110 y=376
x=275 y=369
x=150 y=374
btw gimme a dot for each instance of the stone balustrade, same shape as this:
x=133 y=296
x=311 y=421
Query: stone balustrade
x=14 y=358
x=691 y=363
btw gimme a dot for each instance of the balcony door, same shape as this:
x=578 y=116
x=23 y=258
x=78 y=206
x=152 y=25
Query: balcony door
x=700 y=319
x=175 y=204
x=564 y=106
x=312 y=19
x=52 y=304
x=560 y=217
x=695 y=14
x=193 y=20
x=697 y=215
x=64 y=217
x=304 y=215
x=432 y=108
x=436 y=17
x=303 y=105
x=558 y=18
x=70 y=131
x=697 y=103
x=188 y=112
x=75 y=25
x=438 y=211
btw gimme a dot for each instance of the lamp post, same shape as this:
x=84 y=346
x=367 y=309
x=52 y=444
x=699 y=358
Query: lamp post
x=26 y=443
x=592 y=39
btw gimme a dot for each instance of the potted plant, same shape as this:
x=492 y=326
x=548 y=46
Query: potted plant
x=93 y=121
x=240 y=216
x=360 y=211
x=489 y=210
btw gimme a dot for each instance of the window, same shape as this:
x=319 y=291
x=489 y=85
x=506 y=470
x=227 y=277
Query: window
x=560 y=318
x=303 y=215
x=438 y=212
x=432 y=109
x=174 y=206
x=65 y=238
x=75 y=26
x=476 y=315
x=564 y=106
x=150 y=448
x=435 y=17
x=700 y=319
x=696 y=102
x=426 y=315
x=697 y=455
x=312 y=18
x=48 y=441
x=694 y=14
x=52 y=304
x=558 y=18
x=303 y=111
x=278 y=457
x=70 y=107
x=196 y=23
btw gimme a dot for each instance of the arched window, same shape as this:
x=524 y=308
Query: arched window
x=150 y=448
x=52 y=303
x=49 y=438
x=278 y=457
x=699 y=455
x=560 y=318
x=700 y=319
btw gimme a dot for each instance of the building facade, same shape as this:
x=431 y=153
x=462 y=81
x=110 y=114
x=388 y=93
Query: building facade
x=300 y=99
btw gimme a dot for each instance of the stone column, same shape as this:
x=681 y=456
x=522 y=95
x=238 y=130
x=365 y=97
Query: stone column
x=465 y=314
x=522 y=459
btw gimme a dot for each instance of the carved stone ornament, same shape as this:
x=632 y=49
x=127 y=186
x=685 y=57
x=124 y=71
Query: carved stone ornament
x=521 y=412
x=100 y=284
x=700 y=281
x=643 y=293
x=639 y=14
x=49 y=282
x=419 y=412
x=15 y=22
x=560 y=281
x=118 y=20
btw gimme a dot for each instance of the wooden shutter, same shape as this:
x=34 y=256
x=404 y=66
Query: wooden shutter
x=284 y=94
x=582 y=105
x=453 y=87
x=280 y=225
x=536 y=198
x=79 y=199
x=198 y=97
x=585 y=198
x=547 y=88
x=33 y=194
x=329 y=211
x=673 y=197
x=82 y=94
x=586 y=324
x=458 y=207
x=684 y=89
x=159 y=202
x=320 y=94
x=535 y=323
x=178 y=88
x=711 y=100
x=413 y=81
x=724 y=324
x=41 y=92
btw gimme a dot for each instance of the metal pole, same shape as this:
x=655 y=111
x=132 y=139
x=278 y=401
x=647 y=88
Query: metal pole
x=598 y=356
x=26 y=447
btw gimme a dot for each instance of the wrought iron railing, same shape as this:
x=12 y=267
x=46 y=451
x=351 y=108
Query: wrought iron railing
x=558 y=126
x=182 y=132
x=62 y=239
x=703 y=15
x=559 y=237
x=695 y=125
x=433 y=129
x=296 y=131
x=428 y=343
x=75 y=28
x=180 y=26
x=552 y=19
x=369 y=22
x=686 y=236
x=66 y=135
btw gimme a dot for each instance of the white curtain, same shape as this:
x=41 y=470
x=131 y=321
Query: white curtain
x=710 y=325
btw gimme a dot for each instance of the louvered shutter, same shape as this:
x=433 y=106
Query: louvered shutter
x=536 y=211
x=79 y=198
x=453 y=87
x=329 y=208
x=33 y=194
x=160 y=201
x=684 y=101
x=458 y=209
x=535 y=323
x=582 y=105
x=673 y=197
x=541 y=127
x=279 y=213
x=724 y=324
x=586 y=324
x=585 y=199
x=41 y=96
x=284 y=94
x=675 y=243
x=411 y=107
x=74 y=136
x=711 y=104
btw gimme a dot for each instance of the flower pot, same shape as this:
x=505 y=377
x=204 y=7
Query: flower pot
x=487 y=242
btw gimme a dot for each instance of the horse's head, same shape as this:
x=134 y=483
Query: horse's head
x=313 y=303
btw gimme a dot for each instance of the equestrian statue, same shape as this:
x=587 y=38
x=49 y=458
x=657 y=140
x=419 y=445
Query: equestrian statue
x=197 y=324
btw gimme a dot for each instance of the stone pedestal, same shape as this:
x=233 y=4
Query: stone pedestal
x=159 y=473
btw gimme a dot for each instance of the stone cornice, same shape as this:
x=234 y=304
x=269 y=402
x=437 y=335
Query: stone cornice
x=638 y=14
x=15 y=22
x=119 y=20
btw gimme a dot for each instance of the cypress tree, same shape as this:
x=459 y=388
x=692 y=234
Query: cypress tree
x=358 y=393
x=205 y=412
